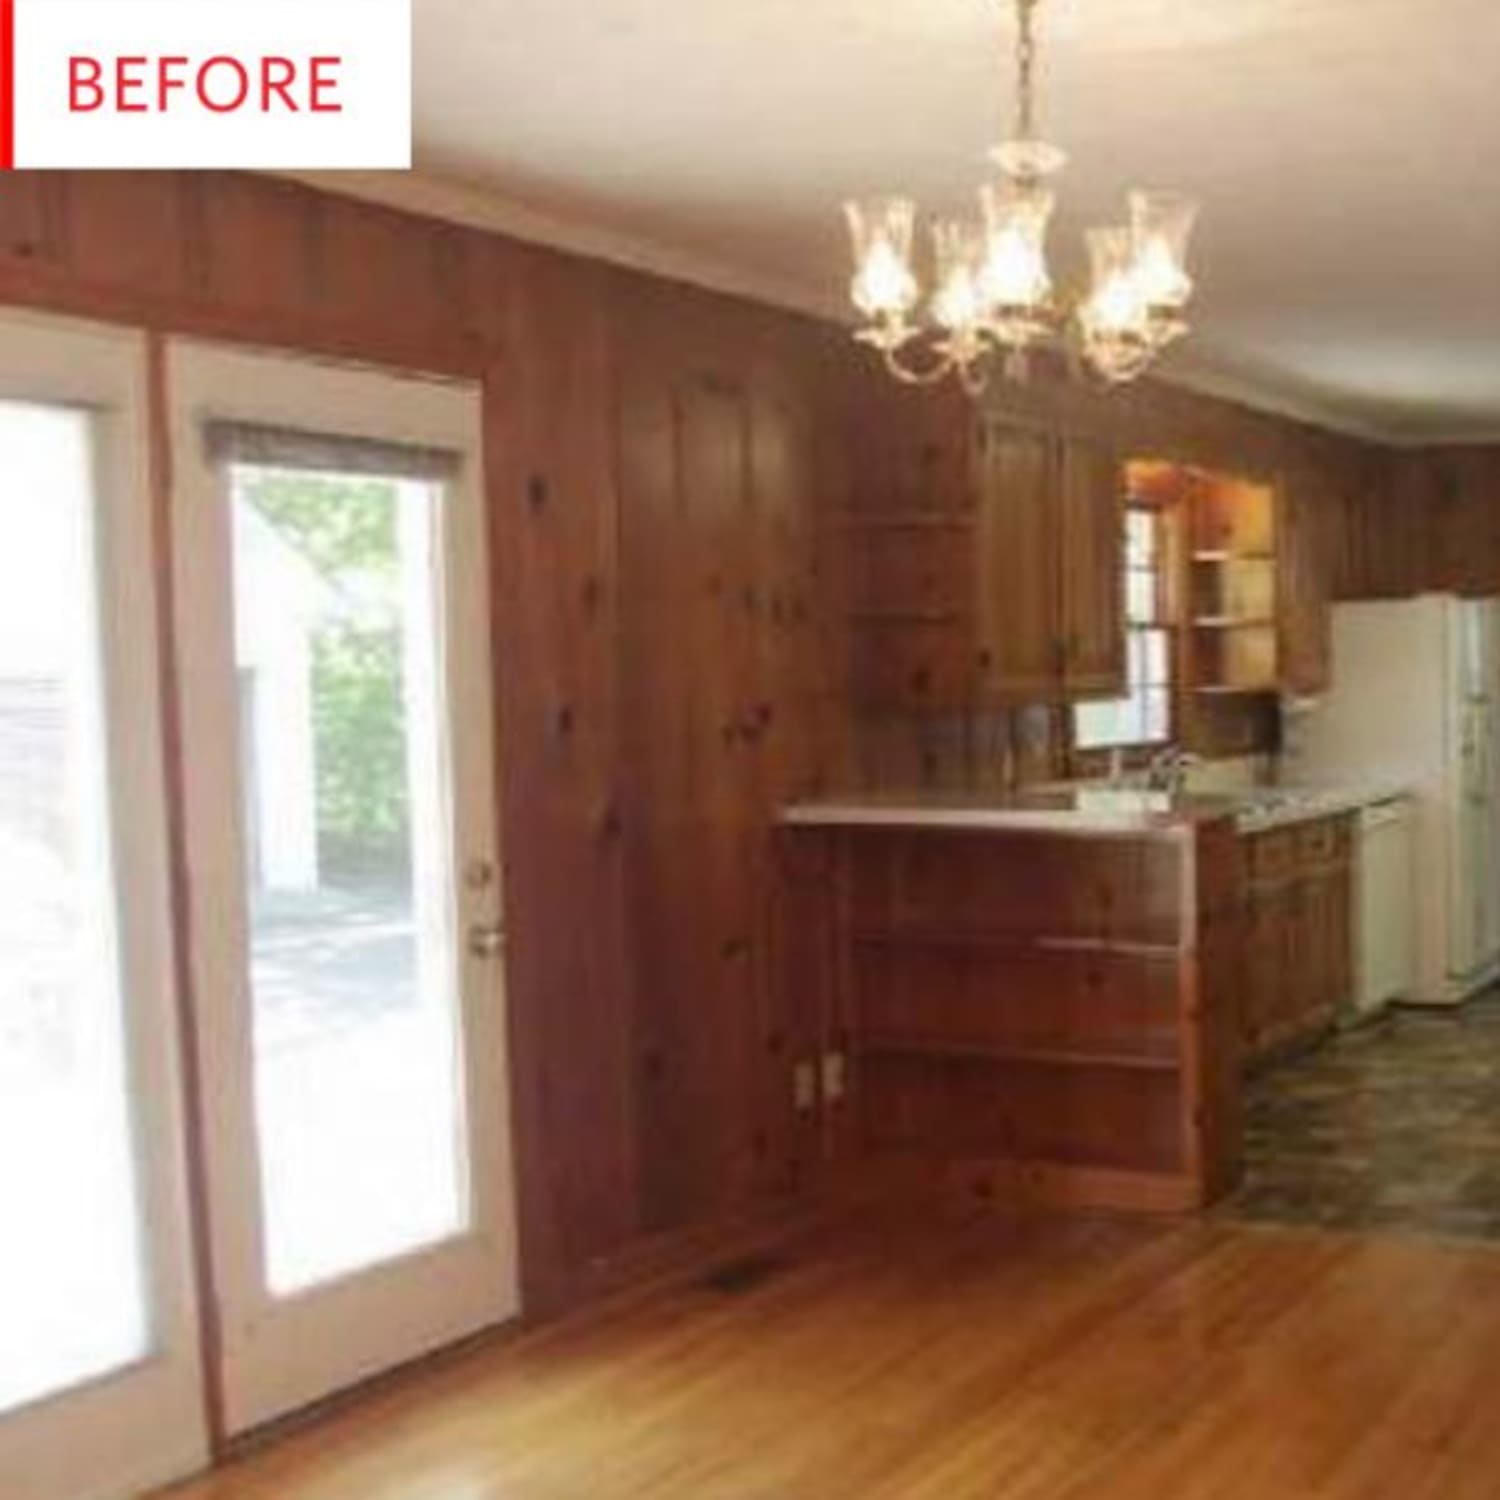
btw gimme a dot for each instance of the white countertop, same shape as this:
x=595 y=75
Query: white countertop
x=1276 y=807
x=1088 y=811
x=1085 y=812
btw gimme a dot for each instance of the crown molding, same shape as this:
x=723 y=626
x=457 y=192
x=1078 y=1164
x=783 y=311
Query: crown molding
x=481 y=207
x=477 y=207
x=1204 y=378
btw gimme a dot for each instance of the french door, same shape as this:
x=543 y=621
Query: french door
x=100 y=1376
x=332 y=646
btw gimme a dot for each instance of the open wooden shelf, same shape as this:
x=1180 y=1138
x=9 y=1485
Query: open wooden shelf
x=1158 y=1055
x=1000 y=942
x=1234 y=622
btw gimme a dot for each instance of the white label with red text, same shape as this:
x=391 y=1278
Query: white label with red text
x=211 y=83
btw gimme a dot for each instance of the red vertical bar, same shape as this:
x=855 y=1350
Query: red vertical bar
x=7 y=85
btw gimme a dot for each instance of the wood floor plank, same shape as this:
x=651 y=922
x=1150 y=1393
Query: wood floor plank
x=992 y=1358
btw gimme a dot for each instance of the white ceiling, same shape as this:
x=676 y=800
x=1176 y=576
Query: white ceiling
x=1347 y=153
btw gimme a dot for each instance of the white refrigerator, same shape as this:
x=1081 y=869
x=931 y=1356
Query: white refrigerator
x=1415 y=704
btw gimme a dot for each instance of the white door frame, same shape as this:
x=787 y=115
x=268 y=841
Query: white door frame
x=146 y=1424
x=281 y=1354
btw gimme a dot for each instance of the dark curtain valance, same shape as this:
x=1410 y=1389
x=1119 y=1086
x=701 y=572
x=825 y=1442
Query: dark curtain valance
x=326 y=453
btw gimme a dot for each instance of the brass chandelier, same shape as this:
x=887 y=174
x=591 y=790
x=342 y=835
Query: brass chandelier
x=993 y=299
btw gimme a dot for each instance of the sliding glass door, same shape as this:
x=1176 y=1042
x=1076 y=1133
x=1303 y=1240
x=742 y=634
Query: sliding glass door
x=99 y=1372
x=342 y=826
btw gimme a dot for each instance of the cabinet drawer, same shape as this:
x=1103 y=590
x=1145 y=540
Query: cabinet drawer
x=1273 y=854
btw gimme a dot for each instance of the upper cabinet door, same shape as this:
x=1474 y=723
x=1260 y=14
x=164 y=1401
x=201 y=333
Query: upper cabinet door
x=1305 y=645
x=1018 y=640
x=1090 y=503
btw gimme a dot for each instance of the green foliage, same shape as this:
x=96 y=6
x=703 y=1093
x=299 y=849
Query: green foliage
x=339 y=524
x=346 y=529
x=363 y=812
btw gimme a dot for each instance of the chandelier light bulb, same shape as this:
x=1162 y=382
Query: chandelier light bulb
x=1162 y=224
x=1116 y=303
x=884 y=285
x=957 y=303
x=1015 y=267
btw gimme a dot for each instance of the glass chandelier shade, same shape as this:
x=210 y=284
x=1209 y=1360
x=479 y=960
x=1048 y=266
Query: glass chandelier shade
x=884 y=285
x=957 y=299
x=1017 y=284
x=1114 y=320
x=992 y=289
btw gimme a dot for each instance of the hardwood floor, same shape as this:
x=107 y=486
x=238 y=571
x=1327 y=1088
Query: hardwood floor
x=1039 y=1359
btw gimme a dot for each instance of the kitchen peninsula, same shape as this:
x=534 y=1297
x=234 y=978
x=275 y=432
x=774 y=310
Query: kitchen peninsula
x=1040 y=995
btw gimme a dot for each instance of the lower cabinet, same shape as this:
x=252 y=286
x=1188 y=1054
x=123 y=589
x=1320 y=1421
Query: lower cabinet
x=1297 y=933
x=1019 y=1014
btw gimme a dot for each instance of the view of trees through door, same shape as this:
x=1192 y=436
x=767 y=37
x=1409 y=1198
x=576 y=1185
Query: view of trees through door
x=358 y=1096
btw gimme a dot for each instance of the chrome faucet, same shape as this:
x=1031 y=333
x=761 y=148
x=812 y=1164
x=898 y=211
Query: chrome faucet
x=1168 y=769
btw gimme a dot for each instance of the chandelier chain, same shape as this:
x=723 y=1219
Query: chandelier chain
x=1026 y=69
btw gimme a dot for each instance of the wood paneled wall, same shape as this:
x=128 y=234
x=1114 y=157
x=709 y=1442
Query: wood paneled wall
x=668 y=664
x=669 y=472
x=1431 y=521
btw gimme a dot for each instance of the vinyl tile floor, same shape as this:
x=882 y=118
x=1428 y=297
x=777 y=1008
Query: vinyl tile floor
x=1394 y=1125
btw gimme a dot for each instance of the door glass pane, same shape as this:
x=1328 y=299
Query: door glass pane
x=345 y=813
x=72 y=1288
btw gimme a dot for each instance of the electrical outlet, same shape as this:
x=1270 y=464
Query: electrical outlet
x=833 y=1077
x=805 y=1088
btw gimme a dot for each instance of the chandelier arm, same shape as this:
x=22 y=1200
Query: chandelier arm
x=944 y=362
x=974 y=376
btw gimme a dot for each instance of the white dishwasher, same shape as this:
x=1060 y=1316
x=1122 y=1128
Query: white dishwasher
x=1384 y=912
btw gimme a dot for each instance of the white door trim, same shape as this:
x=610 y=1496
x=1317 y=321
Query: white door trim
x=146 y=1424
x=279 y=1355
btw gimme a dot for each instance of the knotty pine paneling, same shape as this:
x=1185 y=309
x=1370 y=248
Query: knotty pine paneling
x=671 y=479
x=731 y=707
x=555 y=544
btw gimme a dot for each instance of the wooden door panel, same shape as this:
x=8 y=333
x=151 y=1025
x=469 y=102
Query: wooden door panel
x=1017 y=623
x=1266 y=967
x=1091 y=508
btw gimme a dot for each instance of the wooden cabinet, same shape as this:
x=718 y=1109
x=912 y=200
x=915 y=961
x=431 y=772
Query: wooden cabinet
x=1257 y=583
x=1017 y=536
x=1013 y=598
x=1044 y=1017
x=1049 y=529
x=1091 y=510
x=1297 y=933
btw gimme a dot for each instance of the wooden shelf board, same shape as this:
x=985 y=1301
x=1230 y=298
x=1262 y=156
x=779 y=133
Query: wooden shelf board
x=1234 y=622
x=1004 y=942
x=1160 y=1187
x=1213 y=555
x=1161 y=1057
x=1235 y=689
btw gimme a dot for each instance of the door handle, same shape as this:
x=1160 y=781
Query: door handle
x=486 y=940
